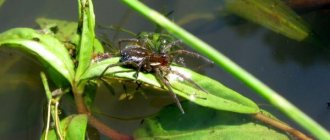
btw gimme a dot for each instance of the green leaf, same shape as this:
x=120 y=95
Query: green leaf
x=73 y=128
x=77 y=128
x=87 y=24
x=47 y=49
x=65 y=31
x=98 y=47
x=273 y=14
x=218 y=97
x=204 y=123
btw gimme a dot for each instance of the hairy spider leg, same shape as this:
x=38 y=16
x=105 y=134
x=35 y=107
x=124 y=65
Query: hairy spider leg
x=108 y=86
x=165 y=82
x=117 y=64
x=139 y=66
x=170 y=45
x=185 y=52
x=189 y=80
x=136 y=75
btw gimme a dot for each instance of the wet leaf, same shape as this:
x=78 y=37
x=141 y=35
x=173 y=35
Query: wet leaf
x=218 y=97
x=73 y=128
x=204 y=123
x=273 y=14
x=48 y=50
x=87 y=25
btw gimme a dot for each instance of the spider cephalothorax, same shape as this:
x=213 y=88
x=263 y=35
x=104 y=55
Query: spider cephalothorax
x=153 y=53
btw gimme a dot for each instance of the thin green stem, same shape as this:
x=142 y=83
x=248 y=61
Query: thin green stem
x=274 y=98
x=57 y=122
x=46 y=86
x=50 y=106
x=48 y=120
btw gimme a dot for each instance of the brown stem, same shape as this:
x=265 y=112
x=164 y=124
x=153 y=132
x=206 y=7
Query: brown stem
x=280 y=125
x=100 y=126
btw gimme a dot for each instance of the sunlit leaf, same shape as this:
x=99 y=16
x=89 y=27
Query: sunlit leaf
x=218 y=97
x=204 y=124
x=272 y=14
x=48 y=50
x=73 y=128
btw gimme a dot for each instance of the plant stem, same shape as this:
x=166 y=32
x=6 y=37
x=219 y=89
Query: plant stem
x=100 y=126
x=280 y=125
x=274 y=98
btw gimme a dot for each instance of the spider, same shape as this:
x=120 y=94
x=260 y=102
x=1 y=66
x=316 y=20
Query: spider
x=154 y=53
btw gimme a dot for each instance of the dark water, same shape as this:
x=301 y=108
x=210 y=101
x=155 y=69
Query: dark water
x=298 y=71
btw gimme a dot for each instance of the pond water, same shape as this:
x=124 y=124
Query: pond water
x=296 y=70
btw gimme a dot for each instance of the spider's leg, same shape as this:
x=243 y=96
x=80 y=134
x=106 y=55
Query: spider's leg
x=108 y=86
x=110 y=66
x=170 y=45
x=117 y=64
x=186 y=52
x=168 y=85
x=189 y=80
x=139 y=66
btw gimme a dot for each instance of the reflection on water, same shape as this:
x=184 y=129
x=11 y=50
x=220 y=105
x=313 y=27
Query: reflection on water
x=298 y=71
x=21 y=97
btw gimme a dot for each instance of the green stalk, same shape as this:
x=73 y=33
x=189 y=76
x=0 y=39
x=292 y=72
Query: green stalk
x=275 y=99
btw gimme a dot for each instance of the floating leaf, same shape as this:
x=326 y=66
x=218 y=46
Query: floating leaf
x=51 y=52
x=272 y=14
x=218 y=97
x=73 y=128
x=204 y=123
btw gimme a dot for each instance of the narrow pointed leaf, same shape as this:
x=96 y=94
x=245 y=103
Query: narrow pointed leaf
x=204 y=123
x=218 y=97
x=273 y=14
x=87 y=25
x=47 y=49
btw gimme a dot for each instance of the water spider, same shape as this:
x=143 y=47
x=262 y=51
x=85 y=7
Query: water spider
x=154 y=53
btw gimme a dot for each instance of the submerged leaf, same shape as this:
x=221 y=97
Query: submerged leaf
x=272 y=14
x=218 y=96
x=47 y=49
x=204 y=123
